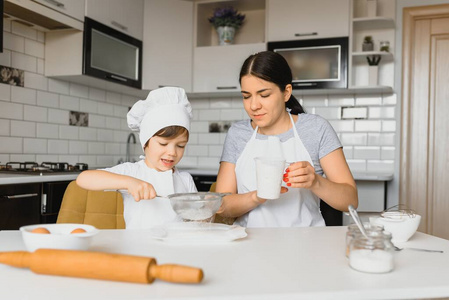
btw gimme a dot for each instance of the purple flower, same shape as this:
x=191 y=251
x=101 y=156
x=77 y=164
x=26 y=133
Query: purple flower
x=227 y=16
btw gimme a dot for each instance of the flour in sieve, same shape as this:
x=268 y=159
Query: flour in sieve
x=195 y=214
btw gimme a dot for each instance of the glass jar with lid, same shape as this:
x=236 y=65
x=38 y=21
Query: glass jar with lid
x=353 y=229
x=374 y=254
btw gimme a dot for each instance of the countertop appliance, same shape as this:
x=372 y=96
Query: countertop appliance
x=111 y=55
x=316 y=63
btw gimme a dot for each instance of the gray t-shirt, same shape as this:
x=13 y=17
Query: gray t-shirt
x=315 y=132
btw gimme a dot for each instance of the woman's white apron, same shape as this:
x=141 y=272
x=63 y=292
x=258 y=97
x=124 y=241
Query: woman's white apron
x=299 y=207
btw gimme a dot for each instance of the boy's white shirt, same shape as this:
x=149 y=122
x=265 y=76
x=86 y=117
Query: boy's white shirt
x=157 y=211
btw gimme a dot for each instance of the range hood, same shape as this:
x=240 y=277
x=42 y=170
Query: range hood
x=35 y=15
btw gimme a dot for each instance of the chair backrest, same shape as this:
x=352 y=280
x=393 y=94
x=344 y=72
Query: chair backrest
x=103 y=210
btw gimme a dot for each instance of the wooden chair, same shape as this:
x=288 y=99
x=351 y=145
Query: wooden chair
x=104 y=210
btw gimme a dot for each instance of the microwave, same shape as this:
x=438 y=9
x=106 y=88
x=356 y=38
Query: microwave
x=111 y=55
x=316 y=63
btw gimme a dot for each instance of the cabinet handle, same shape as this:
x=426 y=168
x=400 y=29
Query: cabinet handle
x=207 y=182
x=20 y=196
x=304 y=84
x=226 y=87
x=306 y=34
x=56 y=3
x=117 y=24
x=117 y=78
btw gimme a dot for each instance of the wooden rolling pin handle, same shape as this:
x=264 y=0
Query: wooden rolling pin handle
x=19 y=259
x=176 y=273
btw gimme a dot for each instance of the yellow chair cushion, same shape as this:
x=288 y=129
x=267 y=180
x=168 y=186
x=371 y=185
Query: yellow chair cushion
x=104 y=210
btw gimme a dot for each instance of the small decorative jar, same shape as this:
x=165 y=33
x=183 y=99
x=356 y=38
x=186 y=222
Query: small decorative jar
x=374 y=254
x=353 y=230
x=385 y=46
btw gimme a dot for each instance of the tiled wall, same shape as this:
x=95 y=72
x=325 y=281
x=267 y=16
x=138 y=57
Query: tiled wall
x=34 y=119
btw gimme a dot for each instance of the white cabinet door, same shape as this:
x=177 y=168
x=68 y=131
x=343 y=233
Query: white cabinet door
x=72 y=8
x=167 y=44
x=217 y=68
x=305 y=19
x=124 y=16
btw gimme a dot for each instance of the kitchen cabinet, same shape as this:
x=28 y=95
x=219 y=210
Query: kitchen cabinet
x=124 y=16
x=72 y=8
x=167 y=44
x=305 y=19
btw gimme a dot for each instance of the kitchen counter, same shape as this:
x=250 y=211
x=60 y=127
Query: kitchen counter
x=270 y=263
x=46 y=177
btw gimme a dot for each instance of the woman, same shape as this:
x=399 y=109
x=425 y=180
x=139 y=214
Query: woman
x=307 y=140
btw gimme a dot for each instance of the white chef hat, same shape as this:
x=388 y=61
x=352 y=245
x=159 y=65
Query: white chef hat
x=167 y=106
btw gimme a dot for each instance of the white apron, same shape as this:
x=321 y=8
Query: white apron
x=299 y=207
x=154 y=212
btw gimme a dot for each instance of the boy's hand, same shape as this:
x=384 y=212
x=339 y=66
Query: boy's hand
x=141 y=189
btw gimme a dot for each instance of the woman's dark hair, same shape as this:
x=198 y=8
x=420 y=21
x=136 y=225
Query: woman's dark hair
x=170 y=132
x=271 y=66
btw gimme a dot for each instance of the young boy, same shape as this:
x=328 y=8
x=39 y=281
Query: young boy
x=163 y=122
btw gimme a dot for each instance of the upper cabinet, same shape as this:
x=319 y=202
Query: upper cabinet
x=72 y=8
x=305 y=19
x=167 y=44
x=124 y=16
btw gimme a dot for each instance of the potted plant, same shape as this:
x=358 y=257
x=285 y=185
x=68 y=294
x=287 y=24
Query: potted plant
x=368 y=44
x=226 y=21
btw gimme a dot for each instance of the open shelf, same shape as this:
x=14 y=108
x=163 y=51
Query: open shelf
x=373 y=23
x=359 y=57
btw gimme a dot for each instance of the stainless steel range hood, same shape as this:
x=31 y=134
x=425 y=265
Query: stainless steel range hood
x=38 y=16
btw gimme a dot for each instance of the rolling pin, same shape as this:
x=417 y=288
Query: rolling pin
x=99 y=265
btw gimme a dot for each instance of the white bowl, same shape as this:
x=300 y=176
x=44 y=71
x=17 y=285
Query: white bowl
x=59 y=237
x=401 y=229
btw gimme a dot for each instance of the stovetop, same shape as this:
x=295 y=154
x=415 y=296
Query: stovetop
x=47 y=168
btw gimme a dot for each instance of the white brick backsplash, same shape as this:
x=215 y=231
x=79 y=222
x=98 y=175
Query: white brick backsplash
x=386 y=166
x=308 y=109
x=124 y=124
x=47 y=99
x=194 y=150
x=22 y=157
x=222 y=137
x=199 y=127
x=23 y=62
x=97 y=121
x=193 y=138
x=5 y=58
x=105 y=109
x=113 y=98
x=105 y=160
x=97 y=94
x=5 y=92
x=353 y=139
x=387 y=153
x=215 y=151
x=23 y=30
x=23 y=95
x=209 y=115
x=105 y=135
x=368 y=100
x=4 y=127
x=13 y=42
x=88 y=106
x=232 y=114
x=78 y=147
x=58 y=86
x=388 y=126
x=342 y=125
x=40 y=158
x=58 y=147
x=120 y=111
x=11 y=111
x=348 y=152
x=6 y=25
x=69 y=103
x=58 y=116
x=220 y=103
x=113 y=123
x=34 y=145
x=68 y=132
x=35 y=81
x=199 y=104
x=41 y=37
x=91 y=160
x=44 y=130
x=366 y=152
x=328 y=113
x=212 y=162
x=87 y=134
x=70 y=159
x=381 y=139
x=112 y=148
x=11 y=145
x=188 y=161
x=312 y=100
x=357 y=165
x=208 y=138
x=354 y=113
x=34 y=48
x=78 y=90
x=341 y=100
x=23 y=129
x=237 y=102
x=129 y=101
x=381 y=112
x=122 y=136
x=389 y=99
x=96 y=148
x=4 y=158
x=40 y=66
x=365 y=125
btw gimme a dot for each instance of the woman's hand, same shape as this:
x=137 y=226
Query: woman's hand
x=140 y=189
x=300 y=175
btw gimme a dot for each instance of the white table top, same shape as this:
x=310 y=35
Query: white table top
x=292 y=263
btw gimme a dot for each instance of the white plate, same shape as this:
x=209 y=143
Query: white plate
x=195 y=232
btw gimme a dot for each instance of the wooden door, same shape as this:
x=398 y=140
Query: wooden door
x=424 y=179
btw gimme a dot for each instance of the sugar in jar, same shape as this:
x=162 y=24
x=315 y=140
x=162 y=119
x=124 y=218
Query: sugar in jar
x=374 y=254
x=353 y=229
